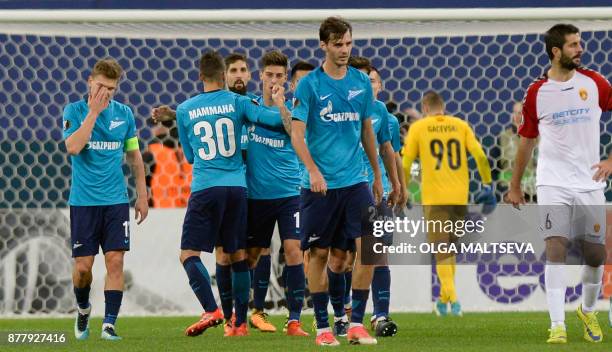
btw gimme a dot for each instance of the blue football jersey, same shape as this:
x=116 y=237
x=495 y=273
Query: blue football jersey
x=394 y=131
x=380 y=124
x=273 y=170
x=244 y=140
x=210 y=126
x=97 y=173
x=333 y=111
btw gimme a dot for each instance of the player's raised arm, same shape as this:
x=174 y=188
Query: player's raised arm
x=78 y=136
x=163 y=113
x=259 y=114
x=278 y=95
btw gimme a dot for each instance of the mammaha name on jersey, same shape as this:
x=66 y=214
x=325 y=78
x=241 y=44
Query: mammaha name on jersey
x=211 y=110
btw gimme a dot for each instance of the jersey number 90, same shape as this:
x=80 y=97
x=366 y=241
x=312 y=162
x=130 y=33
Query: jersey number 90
x=453 y=150
x=221 y=125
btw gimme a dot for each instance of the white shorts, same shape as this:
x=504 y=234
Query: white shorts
x=572 y=214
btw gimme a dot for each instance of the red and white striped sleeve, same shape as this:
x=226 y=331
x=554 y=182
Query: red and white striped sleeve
x=603 y=87
x=529 y=121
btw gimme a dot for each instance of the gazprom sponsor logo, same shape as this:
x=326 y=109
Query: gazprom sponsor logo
x=327 y=115
x=341 y=117
x=270 y=142
x=571 y=116
x=100 y=145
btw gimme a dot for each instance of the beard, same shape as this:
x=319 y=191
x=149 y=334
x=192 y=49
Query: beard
x=568 y=63
x=238 y=90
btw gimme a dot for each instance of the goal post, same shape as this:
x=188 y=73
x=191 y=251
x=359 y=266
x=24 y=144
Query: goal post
x=480 y=60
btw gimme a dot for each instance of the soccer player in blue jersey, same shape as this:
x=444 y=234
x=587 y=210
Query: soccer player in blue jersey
x=210 y=126
x=331 y=116
x=381 y=323
x=237 y=77
x=340 y=275
x=273 y=180
x=298 y=71
x=97 y=132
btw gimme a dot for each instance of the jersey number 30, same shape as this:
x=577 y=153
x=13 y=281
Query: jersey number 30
x=453 y=149
x=221 y=125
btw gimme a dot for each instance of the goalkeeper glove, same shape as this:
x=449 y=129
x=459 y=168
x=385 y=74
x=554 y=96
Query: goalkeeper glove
x=487 y=198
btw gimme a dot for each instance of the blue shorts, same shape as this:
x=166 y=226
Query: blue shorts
x=384 y=212
x=263 y=215
x=106 y=226
x=216 y=216
x=336 y=219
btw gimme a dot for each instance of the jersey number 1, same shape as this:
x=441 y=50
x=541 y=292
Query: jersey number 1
x=219 y=145
x=453 y=148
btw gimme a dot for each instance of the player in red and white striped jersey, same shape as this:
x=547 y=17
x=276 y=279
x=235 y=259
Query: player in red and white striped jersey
x=564 y=109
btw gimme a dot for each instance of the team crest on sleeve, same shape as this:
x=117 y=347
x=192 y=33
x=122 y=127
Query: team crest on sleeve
x=597 y=227
x=66 y=125
x=584 y=95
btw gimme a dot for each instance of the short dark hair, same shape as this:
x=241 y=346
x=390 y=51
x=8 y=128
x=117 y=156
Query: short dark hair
x=360 y=63
x=301 y=66
x=235 y=57
x=274 y=58
x=432 y=99
x=555 y=36
x=211 y=66
x=334 y=28
x=108 y=68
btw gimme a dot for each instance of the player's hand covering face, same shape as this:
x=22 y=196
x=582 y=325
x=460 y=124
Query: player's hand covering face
x=278 y=94
x=99 y=98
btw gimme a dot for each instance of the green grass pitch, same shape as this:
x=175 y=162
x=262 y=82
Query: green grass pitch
x=417 y=332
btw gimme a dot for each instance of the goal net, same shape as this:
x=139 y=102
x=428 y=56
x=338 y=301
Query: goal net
x=481 y=68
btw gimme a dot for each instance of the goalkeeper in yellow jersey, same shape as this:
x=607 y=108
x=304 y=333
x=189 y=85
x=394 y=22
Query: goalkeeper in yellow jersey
x=441 y=143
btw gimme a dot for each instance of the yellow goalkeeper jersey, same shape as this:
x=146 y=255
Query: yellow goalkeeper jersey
x=441 y=144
